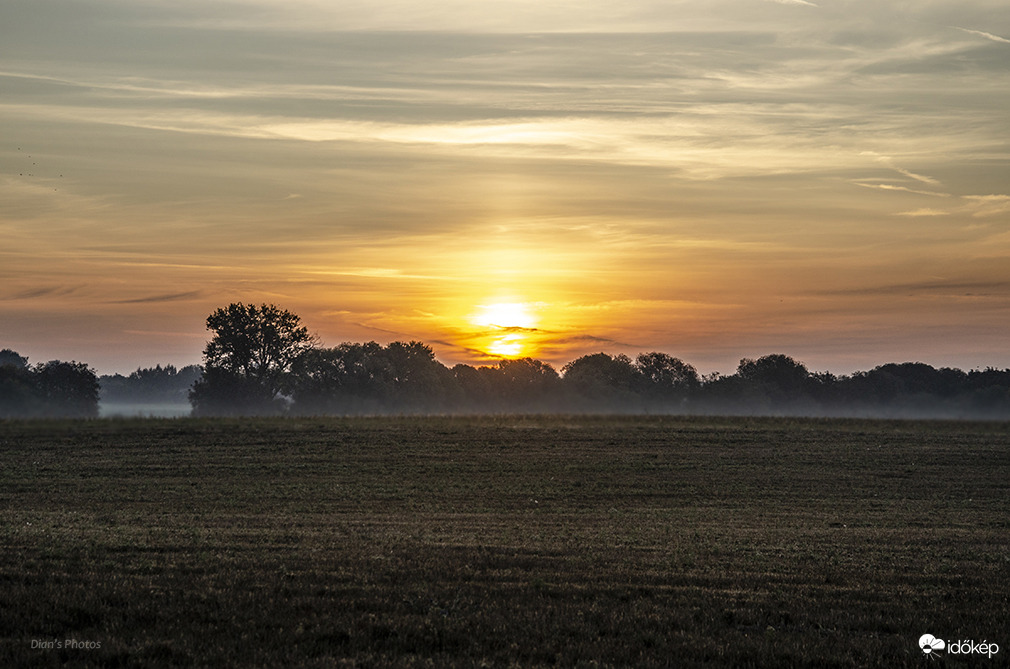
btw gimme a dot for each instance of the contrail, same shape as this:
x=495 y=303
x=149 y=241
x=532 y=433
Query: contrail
x=989 y=36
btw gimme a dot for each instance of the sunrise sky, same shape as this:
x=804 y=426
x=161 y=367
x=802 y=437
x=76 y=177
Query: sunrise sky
x=715 y=179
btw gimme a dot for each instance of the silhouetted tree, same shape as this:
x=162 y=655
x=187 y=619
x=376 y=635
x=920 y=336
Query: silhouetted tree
x=781 y=378
x=988 y=392
x=18 y=393
x=778 y=371
x=417 y=382
x=918 y=379
x=247 y=363
x=602 y=382
x=909 y=389
x=369 y=378
x=666 y=380
x=348 y=378
x=476 y=388
x=54 y=388
x=10 y=358
x=825 y=389
x=990 y=377
x=67 y=389
x=526 y=384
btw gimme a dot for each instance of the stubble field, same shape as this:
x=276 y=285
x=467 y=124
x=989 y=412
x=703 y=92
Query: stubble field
x=502 y=541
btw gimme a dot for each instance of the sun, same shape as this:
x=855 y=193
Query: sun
x=507 y=327
x=504 y=315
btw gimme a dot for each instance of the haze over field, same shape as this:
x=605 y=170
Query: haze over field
x=718 y=179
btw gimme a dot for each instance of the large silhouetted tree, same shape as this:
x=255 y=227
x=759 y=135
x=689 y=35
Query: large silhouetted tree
x=247 y=363
x=602 y=382
x=778 y=376
x=666 y=379
x=67 y=389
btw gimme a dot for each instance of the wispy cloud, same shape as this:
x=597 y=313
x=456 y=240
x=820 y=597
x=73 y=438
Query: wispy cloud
x=794 y=2
x=925 y=211
x=976 y=206
x=378 y=273
x=903 y=189
x=988 y=36
x=918 y=177
x=936 y=286
x=889 y=163
x=47 y=291
x=988 y=205
x=167 y=297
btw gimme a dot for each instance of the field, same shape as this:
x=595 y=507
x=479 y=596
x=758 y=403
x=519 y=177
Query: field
x=502 y=541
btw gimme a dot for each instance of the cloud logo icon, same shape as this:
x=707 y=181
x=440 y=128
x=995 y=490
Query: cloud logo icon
x=930 y=644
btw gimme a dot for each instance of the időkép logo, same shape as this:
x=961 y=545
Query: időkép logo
x=932 y=647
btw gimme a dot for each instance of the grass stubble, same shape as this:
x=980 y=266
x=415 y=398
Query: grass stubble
x=501 y=541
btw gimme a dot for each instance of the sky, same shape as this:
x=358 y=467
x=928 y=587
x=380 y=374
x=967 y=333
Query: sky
x=715 y=179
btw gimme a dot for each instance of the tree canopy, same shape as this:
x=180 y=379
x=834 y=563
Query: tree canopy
x=247 y=363
x=51 y=389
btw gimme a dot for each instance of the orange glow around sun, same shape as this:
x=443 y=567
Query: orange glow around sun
x=505 y=329
x=504 y=315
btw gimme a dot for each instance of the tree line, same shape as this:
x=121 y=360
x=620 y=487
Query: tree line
x=261 y=360
x=165 y=385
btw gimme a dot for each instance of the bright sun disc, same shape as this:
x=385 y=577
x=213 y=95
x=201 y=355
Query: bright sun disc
x=504 y=315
